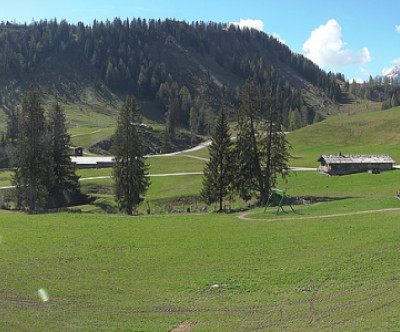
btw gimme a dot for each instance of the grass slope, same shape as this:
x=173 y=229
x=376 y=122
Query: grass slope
x=339 y=194
x=151 y=273
x=369 y=133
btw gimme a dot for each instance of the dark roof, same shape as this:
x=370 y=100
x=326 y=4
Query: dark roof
x=355 y=159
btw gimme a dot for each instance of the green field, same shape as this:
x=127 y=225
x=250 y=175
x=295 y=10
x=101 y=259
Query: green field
x=339 y=194
x=158 y=165
x=215 y=272
x=151 y=273
x=370 y=133
x=169 y=192
x=5 y=179
x=87 y=136
x=174 y=164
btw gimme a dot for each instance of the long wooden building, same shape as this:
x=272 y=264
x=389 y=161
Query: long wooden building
x=342 y=164
x=93 y=162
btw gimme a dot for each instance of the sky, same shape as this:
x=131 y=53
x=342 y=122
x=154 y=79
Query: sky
x=357 y=38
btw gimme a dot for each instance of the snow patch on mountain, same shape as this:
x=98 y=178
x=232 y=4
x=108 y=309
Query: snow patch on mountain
x=393 y=72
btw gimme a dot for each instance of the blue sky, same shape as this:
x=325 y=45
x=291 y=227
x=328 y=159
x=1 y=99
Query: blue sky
x=355 y=37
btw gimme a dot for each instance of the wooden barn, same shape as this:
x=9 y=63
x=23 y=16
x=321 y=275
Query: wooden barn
x=342 y=164
x=93 y=162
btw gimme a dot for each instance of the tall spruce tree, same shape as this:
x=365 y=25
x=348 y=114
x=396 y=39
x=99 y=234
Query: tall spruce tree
x=261 y=147
x=12 y=125
x=130 y=168
x=249 y=175
x=63 y=184
x=218 y=174
x=30 y=160
x=276 y=149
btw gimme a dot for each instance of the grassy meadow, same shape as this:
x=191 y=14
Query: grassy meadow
x=368 y=133
x=150 y=273
x=216 y=272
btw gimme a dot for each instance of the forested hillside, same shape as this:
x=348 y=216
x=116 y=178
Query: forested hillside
x=181 y=73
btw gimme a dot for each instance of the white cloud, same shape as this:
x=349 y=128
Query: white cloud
x=249 y=24
x=325 y=48
x=357 y=80
x=277 y=36
x=365 y=71
x=397 y=27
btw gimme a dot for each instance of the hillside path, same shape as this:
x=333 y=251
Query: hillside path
x=243 y=216
x=199 y=147
x=86 y=134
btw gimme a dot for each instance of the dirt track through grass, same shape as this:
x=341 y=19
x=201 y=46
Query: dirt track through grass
x=243 y=216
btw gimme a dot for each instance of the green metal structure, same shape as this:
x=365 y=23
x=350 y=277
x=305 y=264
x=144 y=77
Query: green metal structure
x=280 y=198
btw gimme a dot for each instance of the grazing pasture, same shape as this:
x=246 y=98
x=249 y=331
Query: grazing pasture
x=367 y=133
x=150 y=273
x=208 y=271
x=213 y=272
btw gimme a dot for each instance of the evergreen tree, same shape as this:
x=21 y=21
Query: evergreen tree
x=166 y=142
x=193 y=123
x=261 y=147
x=12 y=125
x=63 y=185
x=294 y=120
x=121 y=55
x=276 y=152
x=172 y=119
x=30 y=159
x=3 y=152
x=218 y=171
x=249 y=176
x=130 y=170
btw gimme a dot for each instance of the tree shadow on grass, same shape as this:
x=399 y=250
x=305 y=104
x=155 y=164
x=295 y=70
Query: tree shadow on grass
x=308 y=200
x=304 y=201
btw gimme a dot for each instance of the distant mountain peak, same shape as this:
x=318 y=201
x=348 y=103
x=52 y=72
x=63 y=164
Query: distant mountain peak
x=393 y=72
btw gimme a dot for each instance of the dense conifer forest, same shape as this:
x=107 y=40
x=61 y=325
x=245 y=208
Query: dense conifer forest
x=187 y=71
x=186 y=68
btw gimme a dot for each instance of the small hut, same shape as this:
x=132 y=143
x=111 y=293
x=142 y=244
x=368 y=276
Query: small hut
x=342 y=164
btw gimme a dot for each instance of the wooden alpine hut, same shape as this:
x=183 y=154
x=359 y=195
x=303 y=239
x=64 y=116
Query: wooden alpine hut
x=342 y=164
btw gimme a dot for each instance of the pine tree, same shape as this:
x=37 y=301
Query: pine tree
x=294 y=120
x=166 y=142
x=130 y=170
x=193 y=123
x=30 y=160
x=3 y=152
x=261 y=147
x=63 y=187
x=12 y=125
x=218 y=171
x=172 y=120
x=249 y=176
x=276 y=152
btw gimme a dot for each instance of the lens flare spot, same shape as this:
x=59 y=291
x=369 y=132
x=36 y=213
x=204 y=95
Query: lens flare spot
x=43 y=295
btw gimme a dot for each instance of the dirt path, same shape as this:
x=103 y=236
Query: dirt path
x=184 y=327
x=199 y=147
x=243 y=216
x=176 y=155
x=85 y=134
